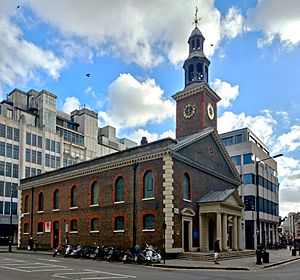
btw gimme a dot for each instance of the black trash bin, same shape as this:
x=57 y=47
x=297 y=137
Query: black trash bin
x=293 y=252
x=266 y=257
x=258 y=256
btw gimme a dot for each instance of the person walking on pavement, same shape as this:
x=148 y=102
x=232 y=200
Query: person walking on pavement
x=217 y=251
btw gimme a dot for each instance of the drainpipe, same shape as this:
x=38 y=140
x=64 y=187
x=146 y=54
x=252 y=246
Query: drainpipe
x=134 y=166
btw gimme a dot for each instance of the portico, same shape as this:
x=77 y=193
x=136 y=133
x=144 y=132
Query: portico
x=220 y=215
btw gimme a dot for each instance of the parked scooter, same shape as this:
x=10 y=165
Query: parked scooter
x=100 y=252
x=152 y=255
x=69 y=251
x=61 y=250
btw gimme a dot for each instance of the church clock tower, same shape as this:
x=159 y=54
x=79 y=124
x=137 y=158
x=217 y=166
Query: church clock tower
x=196 y=104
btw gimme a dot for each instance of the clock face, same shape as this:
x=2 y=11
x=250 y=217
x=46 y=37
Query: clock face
x=189 y=111
x=210 y=111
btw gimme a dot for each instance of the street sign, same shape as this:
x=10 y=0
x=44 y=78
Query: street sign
x=47 y=226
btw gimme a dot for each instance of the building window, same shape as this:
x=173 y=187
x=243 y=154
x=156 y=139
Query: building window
x=94 y=194
x=148 y=222
x=33 y=156
x=26 y=228
x=9 y=132
x=14 y=187
x=248 y=178
x=26 y=204
x=74 y=196
x=39 y=158
x=9 y=114
x=57 y=147
x=236 y=160
x=1 y=188
x=186 y=187
x=56 y=199
x=249 y=201
x=248 y=158
x=15 y=171
x=2 y=148
x=40 y=141
x=119 y=190
x=238 y=138
x=8 y=167
x=227 y=141
x=41 y=202
x=27 y=172
x=28 y=138
x=47 y=160
x=74 y=226
x=2 y=167
x=7 y=208
x=119 y=223
x=16 y=152
x=2 y=130
x=27 y=155
x=14 y=208
x=149 y=185
x=52 y=161
x=1 y=207
x=95 y=224
x=47 y=144
x=40 y=227
x=16 y=134
x=9 y=150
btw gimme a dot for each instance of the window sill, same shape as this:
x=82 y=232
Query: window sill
x=39 y=233
x=148 y=198
x=73 y=232
x=187 y=200
x=119 y=202
x=26 y=233
x=27 y=213
x=148 y=230
x=55 y=210
x=94 y=231
x=119 y=231
x=73 y=208
x=39 y=212
x=94 y=205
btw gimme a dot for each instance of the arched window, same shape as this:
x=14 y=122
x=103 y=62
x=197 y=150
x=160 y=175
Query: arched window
x=199 y=71
x=56 y=199
x=119 y=223
x=94 y=224
x=26 y=204
x=148 y=185
x=186 y=187
x=191 y=72
x=74 y=196
x=74 y=225
x=206 y=73
x=94 y=194
x=41 y=202
x=148 y=221
x=193 y=44
x=198 y=44
x=119 y=190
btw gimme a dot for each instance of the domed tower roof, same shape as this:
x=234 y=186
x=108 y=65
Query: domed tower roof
x=196 y=65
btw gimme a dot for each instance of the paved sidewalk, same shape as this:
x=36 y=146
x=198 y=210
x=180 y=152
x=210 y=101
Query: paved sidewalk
x=276 y=257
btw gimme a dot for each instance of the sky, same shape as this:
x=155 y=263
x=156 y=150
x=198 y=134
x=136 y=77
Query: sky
x=134 y=51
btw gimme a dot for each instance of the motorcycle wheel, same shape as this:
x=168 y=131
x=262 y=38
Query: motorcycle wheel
x=54 y=254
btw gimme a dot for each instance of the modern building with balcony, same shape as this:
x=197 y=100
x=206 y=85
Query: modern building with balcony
x=36 y=138
x=260 y=187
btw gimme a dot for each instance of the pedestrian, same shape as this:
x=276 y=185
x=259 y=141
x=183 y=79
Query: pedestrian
x=30 y=244
x=217 y=251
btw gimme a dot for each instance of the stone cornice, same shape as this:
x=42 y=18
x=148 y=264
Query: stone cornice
x=202 y=167
x=202 y=87
x=88 y=170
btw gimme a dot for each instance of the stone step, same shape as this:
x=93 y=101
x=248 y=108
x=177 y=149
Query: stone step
x=208 y=256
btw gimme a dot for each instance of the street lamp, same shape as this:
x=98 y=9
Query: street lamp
x=257 y=195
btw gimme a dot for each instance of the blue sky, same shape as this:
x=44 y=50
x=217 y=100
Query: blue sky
x=134 y=51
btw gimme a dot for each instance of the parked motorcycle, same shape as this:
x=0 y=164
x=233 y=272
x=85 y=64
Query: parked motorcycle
x=100 y=252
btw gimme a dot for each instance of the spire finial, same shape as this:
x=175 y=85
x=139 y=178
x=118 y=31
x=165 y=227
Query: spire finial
x=197 y=19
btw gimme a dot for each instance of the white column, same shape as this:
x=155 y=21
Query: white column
x=224 y=232
x=219 y=226
x=235 y=234
x=239 y=233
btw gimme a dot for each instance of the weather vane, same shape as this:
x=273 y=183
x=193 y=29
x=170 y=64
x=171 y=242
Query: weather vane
x=197 y=19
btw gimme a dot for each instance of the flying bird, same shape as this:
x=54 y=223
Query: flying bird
x=18 y=6
x=88 y=74
x=211 y=45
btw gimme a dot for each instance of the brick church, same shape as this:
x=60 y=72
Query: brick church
x=180 y=193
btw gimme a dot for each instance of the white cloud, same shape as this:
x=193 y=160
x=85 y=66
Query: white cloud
x=139 y=133
x=232 y=24
x=138 y=31
x=133 y=103
x=289 y=141
x=71 y=104
x=21 y=60
x=276 y=19
x=226 y=91
x=262 y=125
x=90 y=91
